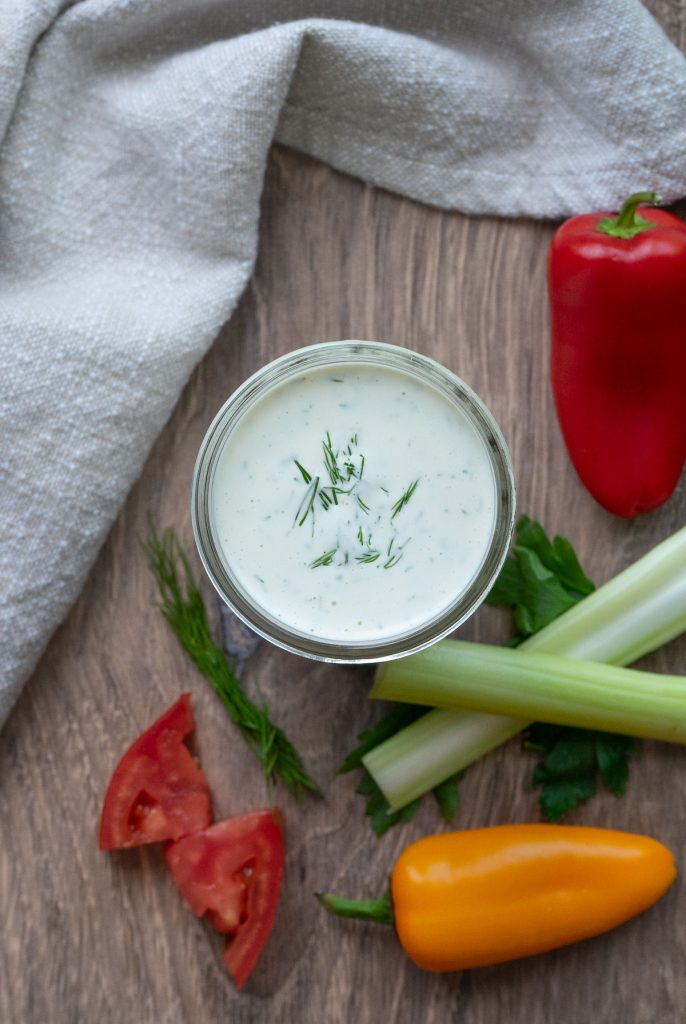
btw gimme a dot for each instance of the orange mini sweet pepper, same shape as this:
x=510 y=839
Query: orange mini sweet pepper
x=467 y=899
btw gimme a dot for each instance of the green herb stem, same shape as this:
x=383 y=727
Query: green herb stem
x=325 y=559
x=307 y=504
x=368 y=557
x=303 y=472
x=404 y=498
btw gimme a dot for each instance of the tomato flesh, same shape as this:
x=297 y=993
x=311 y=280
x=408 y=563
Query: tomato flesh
x=157 y=791
x=232 y=872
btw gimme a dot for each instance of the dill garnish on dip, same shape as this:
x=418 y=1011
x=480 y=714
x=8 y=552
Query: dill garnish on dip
x=344 y=489
x=354 y=502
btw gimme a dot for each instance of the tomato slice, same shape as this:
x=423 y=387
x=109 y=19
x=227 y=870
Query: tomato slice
x=157 y=791
x=232 y=872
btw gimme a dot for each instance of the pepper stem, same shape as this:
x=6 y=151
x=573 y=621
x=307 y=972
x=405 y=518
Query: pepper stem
x=629 y=223
x=380 y=911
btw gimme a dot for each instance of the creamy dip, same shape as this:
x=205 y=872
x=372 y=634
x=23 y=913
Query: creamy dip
x=354 y=503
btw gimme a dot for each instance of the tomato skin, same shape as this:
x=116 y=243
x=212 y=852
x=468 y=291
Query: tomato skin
x=232 y=872
x=157 y=791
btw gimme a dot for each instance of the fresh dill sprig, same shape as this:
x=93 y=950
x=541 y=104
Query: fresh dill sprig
x=308 y=503
x=404 y=498
x=368 y=557
x=348 y=472
x=305 y=475
x=330 y=461
x=182 y=606
x=351 y=471
x=325 y=559
x=392 y=558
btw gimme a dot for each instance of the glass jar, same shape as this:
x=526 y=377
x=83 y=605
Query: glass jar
x=354 y=356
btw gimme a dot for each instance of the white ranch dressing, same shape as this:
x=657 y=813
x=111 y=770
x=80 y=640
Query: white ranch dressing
x=388 y=430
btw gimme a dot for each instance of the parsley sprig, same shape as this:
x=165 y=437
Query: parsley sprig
x=380 y=815
x=540 y=580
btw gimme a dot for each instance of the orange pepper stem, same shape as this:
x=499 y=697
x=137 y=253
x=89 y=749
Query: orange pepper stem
x=629 y=223
x=380 y=911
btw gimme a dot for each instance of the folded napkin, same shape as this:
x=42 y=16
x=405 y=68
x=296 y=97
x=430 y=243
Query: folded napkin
x=134 y=135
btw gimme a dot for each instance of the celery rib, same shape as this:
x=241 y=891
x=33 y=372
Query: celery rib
x=549 y=687
x=636 y=612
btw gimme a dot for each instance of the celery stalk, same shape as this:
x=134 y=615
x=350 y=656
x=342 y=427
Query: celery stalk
x=433 y=748
x=549 y=687
x=638 y=611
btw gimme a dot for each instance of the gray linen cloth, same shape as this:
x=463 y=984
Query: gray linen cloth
x=134 y=135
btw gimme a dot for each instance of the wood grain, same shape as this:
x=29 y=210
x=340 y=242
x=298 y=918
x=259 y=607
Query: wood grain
x=89 y=937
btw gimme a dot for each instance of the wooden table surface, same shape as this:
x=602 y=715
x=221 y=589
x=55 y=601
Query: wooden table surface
x=91 y=937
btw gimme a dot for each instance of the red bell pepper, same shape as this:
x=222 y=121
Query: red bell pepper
x=618 y=360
